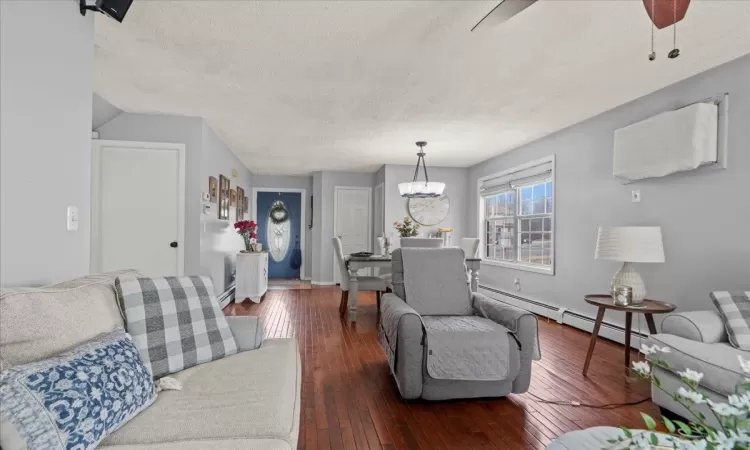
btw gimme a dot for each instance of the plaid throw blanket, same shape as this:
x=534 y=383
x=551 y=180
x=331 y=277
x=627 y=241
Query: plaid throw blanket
x=734 y=308
x=175 y=322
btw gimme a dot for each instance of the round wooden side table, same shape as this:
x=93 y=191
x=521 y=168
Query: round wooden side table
x=604 y=302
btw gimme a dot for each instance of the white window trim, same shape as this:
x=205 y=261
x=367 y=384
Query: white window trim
x=481 y=219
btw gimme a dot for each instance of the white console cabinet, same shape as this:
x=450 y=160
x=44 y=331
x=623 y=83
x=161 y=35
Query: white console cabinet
x=252 y=276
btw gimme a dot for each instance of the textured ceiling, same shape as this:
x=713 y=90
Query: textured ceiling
x=295 y=87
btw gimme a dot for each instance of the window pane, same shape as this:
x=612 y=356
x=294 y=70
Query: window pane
x=549 y=206
x=547 y=240
x=509 y=254
x=536 y=224
x=526 y=193
x=525 y=223
x=547 y=224
x=538 y=190
x=523 y=254
x=539 y=206
x=510 y=203
x=489 y=206
x=526 y=208
x=548 y=189
x=547 y=257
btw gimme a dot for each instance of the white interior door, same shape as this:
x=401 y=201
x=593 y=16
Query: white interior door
x=138 y=207
x=352 y=222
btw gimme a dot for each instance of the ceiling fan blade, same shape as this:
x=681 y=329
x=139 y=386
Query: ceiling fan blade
x=502 y=12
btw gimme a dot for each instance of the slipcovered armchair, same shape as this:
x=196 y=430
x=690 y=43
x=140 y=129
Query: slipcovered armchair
x=443 y=341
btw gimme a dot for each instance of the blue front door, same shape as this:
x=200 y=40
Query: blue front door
x=280 y=239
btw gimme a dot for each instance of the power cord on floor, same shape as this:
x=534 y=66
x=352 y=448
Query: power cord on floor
x=587 y=405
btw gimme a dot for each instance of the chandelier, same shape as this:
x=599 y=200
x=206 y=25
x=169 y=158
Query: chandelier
x=421 y=189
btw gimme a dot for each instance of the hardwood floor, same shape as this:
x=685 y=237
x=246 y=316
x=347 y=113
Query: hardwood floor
x=349 y=400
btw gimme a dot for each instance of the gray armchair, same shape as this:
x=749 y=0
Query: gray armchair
x=443 y=341
x=697 y=340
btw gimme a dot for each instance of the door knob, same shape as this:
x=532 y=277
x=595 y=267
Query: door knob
x=173 y=244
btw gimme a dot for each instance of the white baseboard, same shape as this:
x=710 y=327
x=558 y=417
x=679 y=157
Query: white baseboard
x=322 y=283
x=227 y=296
x=565 y=316
x=305 y=278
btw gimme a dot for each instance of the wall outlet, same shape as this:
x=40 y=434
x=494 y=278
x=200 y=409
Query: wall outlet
x=635 y=196
x=72 y=218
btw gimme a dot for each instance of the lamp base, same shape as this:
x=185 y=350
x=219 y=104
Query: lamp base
x=627 y=276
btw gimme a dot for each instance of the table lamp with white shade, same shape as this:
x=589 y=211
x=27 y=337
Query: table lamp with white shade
x=630 y=245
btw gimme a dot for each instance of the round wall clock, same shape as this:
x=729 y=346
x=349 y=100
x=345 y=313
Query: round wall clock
x=429 y=211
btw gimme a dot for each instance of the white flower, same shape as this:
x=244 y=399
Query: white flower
x=744 y=364
x=691 y=375
x=740 y=401
x=725 y=410
x=646 y=350
x=692 y=445
x=728 y=439
x=693 y=396
x=642 y=367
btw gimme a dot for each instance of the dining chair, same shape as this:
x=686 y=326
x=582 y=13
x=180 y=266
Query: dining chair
x=421 y=242
x=470 y=247
x=366 y=283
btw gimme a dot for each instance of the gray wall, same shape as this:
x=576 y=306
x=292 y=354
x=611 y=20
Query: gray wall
x=102 y=111
x=219 y=242
x=46 y=67
x=704 y=216
x=293 y=182
x=456 y=188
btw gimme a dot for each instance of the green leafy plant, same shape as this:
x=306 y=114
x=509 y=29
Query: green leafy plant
x=733 y=417
x=407 y=228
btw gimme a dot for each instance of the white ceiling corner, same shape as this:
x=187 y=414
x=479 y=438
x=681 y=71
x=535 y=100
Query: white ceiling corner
x=301 y=86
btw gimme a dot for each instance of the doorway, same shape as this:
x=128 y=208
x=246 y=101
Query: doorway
x=352 y=210
x=138 y=207
x=280 y=215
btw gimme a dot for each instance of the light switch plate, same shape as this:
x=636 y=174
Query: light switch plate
x=72 y=218
x=635 y=195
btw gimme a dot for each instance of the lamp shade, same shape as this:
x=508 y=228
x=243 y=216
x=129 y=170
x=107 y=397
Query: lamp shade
x=630 y=244
x=421 y=189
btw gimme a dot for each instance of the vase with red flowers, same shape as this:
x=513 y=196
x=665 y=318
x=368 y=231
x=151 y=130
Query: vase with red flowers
x=247 y=229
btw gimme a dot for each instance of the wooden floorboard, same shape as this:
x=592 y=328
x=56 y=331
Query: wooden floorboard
x=350 y=402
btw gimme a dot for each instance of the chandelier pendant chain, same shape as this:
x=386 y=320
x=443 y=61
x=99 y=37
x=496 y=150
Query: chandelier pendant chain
x=420 y=160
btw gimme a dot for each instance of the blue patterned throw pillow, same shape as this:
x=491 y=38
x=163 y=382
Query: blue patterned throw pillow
x=74 y=400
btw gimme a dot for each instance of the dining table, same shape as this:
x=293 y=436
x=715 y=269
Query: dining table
x=355 y=263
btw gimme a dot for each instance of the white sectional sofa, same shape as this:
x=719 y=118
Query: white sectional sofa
x=250 y=400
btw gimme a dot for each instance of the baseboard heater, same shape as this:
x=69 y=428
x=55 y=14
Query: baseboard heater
x=227 y=296
x=563 y=312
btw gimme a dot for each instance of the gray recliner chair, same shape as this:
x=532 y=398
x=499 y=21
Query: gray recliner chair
x=443 y=341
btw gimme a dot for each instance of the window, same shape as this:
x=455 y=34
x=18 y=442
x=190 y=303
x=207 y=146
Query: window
x=517 y=213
